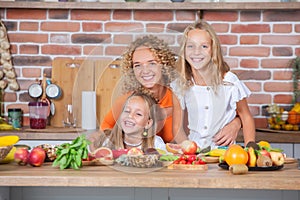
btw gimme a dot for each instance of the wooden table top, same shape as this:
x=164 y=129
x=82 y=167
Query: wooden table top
x=287 y=178
x=70 y=134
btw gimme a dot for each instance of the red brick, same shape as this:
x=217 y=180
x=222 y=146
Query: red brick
x=282 y=28
x=249 y=39
x=254 y=110
x=26 y=14
x=115 y=50
x=60 y=38
x=249 y=63
x=259 y=99
x=282 y=99
x=28 y=37
x=297 y=28
x=123 y=27
x=250 y=28
x=220 y=28
x=122 y=15
x=281 y=15
x=278 y=87
x=61 y=50
x=232 y=62
x=31 y=72
x=282 y=51
x=92 y=27
x=29 y=49
x=250 y=51
x=297 y=51
x=254 y=86
x=221 y=16
x=282 y=75
x=253 y=75
x=176 y=27
x=281 y=39
x=153 y=15
x=122 y=39
x=91 y=38
x=274 y=63
x=13 y=49
x=102 y=15
x=9 y=97
x=261 y=122
x=58 y=14
x=38 y=60
x=60 y=26
x=182 y=15
x=155 y=28
x=247 y=16
x=93 y=50
x=29 y=26
x=228 y=39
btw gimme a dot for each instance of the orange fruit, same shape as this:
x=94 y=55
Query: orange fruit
x=235 y=154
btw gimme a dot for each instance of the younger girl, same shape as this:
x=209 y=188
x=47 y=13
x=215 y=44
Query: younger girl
x=136 y=126
x=213 y=95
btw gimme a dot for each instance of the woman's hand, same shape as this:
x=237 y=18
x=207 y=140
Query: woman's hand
x=227 y=135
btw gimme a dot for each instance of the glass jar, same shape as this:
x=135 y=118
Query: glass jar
x=15 y=117
x=38 y=113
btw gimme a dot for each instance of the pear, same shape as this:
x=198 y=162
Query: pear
x=264 y=161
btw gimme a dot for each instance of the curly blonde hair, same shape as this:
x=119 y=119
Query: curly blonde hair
x=162 y=53
x=217 y=64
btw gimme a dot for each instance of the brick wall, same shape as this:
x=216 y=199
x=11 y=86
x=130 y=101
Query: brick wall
x=257 y=44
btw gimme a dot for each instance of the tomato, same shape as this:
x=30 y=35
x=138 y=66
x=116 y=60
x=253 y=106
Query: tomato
x=182 y=162
x=176 y=161
x=183 y=157
x=235 y=154
x=191 y=158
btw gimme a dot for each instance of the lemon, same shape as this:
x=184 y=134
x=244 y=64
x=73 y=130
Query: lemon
x=264 y=144
x=10 y=156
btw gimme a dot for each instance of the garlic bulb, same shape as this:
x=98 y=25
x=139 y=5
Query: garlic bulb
x=7 y=74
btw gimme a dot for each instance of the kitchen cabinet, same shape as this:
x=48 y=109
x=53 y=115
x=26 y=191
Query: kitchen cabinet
x=101 y=182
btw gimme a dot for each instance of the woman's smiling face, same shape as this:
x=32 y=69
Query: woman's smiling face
x=135 y=116
x=147 y=70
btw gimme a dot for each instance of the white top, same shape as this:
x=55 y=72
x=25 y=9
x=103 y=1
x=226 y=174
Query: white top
x=209 y=112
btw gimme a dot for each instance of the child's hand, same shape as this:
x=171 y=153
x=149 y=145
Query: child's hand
x=95 y=141
x=227 y=135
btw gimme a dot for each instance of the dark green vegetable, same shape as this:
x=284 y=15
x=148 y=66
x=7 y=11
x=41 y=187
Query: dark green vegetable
x=71 y=155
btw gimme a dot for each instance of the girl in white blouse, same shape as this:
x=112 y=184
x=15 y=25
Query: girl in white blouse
x=212 y=95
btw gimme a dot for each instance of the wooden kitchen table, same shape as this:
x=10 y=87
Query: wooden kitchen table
x=26 y=182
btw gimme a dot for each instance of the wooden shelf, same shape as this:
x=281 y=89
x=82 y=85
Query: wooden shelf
x=153 y=5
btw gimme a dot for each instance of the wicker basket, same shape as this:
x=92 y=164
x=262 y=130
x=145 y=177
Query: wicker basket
x=143 y=161
x=4 y=151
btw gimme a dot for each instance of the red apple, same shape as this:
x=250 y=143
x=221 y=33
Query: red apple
x=277 y=158
x=21 y=156
x=189 y=147
x=37 y=157
x=265 y=153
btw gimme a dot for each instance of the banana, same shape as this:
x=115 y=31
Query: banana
x=296 y=107
x=8 y=140
x=216 y=152
x=10 y=156
x=6 y=127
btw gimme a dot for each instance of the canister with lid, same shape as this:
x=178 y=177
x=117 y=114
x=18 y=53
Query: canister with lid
x=15 y=117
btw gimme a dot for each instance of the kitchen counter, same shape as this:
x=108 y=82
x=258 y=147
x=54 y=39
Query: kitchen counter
x=60 y=134
x=287 y=178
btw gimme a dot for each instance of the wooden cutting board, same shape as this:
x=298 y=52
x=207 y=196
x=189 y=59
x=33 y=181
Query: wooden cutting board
x=108 y=87
x=64 y=71
x=86 y=75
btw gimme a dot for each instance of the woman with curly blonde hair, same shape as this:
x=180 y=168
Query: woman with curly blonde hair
x=148 y=66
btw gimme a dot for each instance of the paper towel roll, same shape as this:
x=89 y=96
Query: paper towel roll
x=89 y=117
